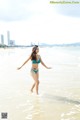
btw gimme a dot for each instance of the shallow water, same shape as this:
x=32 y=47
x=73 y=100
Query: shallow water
x=59 y=90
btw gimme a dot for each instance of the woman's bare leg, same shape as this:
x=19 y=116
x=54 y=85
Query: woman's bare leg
x=36 y=84
x=32 y=87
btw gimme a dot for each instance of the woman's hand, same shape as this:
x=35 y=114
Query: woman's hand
x=49 y=68
x=18 y=68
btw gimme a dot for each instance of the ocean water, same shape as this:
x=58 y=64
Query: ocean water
x=59 y=89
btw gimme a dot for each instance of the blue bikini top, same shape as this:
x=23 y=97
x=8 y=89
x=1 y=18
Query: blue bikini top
x=36 y=61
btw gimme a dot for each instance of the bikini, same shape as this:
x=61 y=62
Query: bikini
x=35 y=62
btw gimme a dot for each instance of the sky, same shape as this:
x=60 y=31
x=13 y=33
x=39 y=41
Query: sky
x=39 y=21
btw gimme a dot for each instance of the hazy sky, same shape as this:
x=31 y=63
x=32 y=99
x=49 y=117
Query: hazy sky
x=39 y=21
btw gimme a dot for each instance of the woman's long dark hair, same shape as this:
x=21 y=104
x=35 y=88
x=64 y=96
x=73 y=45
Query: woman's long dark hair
x=33 y=55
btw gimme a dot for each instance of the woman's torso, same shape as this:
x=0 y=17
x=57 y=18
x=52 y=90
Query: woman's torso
x=36 y=62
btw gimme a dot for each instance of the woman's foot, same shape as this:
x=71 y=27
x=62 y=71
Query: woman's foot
x=32 y=87
x=32 y=90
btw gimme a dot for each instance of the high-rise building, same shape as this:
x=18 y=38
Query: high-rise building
x=12 y=42
x=8 y=37
x=2 y=39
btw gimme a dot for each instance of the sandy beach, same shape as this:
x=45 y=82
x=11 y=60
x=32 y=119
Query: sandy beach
x=59 y=90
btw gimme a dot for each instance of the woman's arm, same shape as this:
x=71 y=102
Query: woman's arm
x=44 y=64
x=24 y=63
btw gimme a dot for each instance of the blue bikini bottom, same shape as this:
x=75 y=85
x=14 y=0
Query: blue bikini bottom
x=34 y=70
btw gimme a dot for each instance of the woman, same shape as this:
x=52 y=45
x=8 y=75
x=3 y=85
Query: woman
x=36 y=59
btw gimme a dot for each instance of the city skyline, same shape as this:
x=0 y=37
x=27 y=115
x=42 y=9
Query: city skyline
x=12 y=42
x=9 y=41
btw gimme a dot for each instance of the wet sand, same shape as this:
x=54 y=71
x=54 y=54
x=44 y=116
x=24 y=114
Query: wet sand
x=59 y=90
